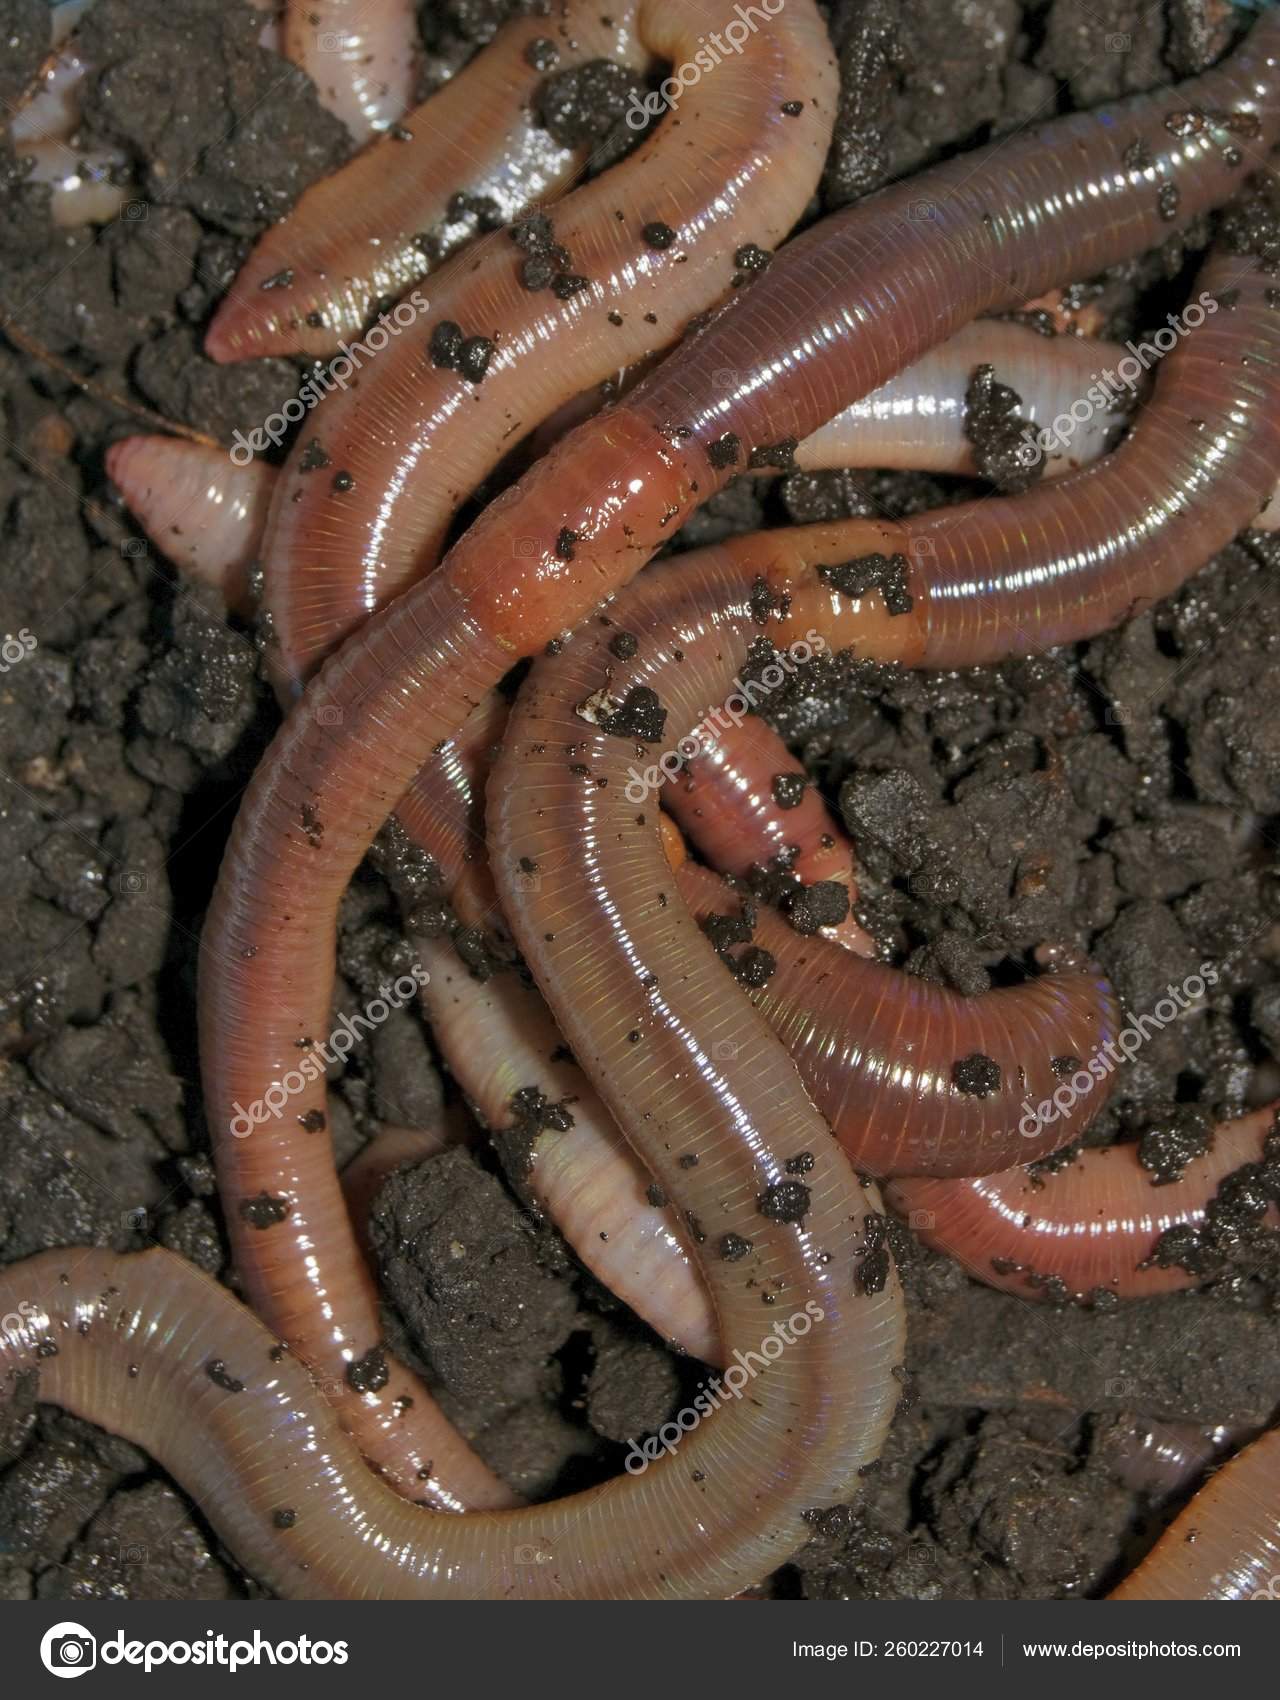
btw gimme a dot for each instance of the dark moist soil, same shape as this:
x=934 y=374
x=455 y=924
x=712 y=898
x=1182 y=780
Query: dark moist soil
x=1116 y=800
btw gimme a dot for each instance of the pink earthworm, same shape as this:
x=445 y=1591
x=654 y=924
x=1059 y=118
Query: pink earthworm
x=1161 y=1460
x=1225 y=1545
x=859 y=1058
x=84 y=185
x=1089 y=1228
x=912 y=1077
x=204 y=513
x=917 y=420
x=376 y=512
x=745 y=803
x=380 y=224
x=361 y=55
x=516 y=328
x=567 y=1155
x=154 y=1350
x=594 y=510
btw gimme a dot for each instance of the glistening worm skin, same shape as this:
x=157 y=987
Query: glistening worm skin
x=1161 y=1460
x=1226 y=1544
x=637 y=252
x=360 y=54
x=204 y=513
x=827 y=322
x=1068 y=559
x=647 y=1009
x=859 y=1034
x=916 y=421
x=374 y=228
x=912 y=1077
x=1082 y=1230
x=728 y=801
x=500 y=1040
x=83 y=183
x=152 y=1349
x=846 y=305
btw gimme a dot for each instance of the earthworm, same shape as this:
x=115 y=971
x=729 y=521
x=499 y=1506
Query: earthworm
x=203 y=512
x=1196 y=168
x=374 y=228
x=912 y=1077
x=83 y=184
x=857 y=1056
x=365 y=501
x=1225 y=1545
x=1089 y=1228
x=154 y=1350
x=360 y=54
x=594 y=509
x=566 y=1154
x=1162 y=1459
x=744 y=802
x=916 y=421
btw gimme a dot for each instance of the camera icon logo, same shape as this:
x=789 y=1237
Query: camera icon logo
x=68 y=1649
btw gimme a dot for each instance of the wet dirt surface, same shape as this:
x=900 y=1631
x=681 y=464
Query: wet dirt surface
x=1119 y=799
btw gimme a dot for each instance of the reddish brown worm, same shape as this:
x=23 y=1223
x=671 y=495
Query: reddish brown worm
x=832 y=316
x=376 y=227
x=1086 y=1229
x=209 y=515
x=821 y=1025
x=745 y=802
x=876 y=1048
x=1226 y=1544
x=151 y=1349
x=516 y=328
